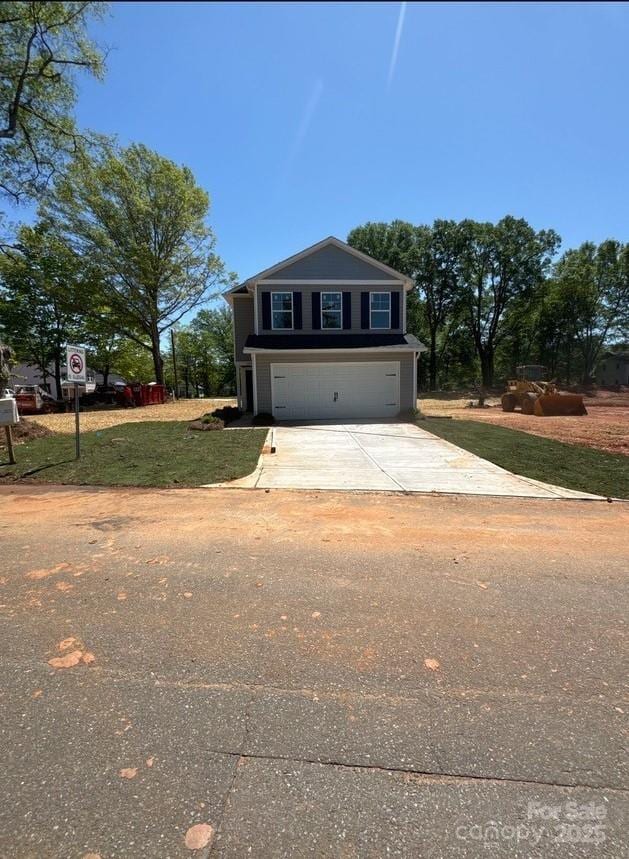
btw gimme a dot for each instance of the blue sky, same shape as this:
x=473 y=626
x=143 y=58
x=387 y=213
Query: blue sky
x=303 y=120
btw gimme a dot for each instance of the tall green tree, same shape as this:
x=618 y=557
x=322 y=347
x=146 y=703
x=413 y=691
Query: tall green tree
x=6 y=362
x=438 y=280
x=393 y=244
x=42 y=47
x=131 y=361
x=108 y=352
x=140 y=220
x=592 y=285
x=40 y=288
x=501 y=264
x=430 y=255
x=214 y=329
x=555 y=343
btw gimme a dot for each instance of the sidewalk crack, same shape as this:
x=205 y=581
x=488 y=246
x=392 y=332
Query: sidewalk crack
x=375 y=462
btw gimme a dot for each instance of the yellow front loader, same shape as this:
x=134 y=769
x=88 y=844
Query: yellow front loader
x=534 y=396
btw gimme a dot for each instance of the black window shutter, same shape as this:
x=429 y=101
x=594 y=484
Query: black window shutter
x=316 y=311
x=364 y=310
x=266 y=310
x=347 y=310
x=297 y=311
x=395 y=310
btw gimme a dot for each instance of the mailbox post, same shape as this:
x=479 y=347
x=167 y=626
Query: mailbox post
x=9 y=417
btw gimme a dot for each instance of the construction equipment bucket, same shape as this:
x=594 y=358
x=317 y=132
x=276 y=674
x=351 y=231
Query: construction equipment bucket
x=559 y=404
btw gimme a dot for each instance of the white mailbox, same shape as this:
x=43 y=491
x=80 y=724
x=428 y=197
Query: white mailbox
x=8 y=412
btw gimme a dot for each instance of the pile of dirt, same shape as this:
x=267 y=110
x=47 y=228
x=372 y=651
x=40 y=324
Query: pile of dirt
x=25 y=431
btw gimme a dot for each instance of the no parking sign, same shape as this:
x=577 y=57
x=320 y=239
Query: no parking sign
x=76 y=370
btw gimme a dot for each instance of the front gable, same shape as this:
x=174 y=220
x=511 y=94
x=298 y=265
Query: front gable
x=330 y=263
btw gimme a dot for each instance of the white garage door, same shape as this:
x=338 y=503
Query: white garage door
x=328 y=391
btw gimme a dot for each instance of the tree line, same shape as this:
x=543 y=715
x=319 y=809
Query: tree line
x=488 y=297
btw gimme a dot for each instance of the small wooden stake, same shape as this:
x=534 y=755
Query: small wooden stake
x=7 y=430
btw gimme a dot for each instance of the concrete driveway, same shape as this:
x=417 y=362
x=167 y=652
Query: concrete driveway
x=392 y=456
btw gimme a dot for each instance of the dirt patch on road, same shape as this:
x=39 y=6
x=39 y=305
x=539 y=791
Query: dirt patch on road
x=605 y=427
x=182 y=410
x=335 y=521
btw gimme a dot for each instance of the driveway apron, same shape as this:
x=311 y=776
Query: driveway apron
x=392 y=456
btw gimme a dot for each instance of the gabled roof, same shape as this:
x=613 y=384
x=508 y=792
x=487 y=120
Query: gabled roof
x=622 y=356
x=390 y=273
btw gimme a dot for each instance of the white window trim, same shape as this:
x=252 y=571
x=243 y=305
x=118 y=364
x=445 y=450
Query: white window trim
x=292 y=310
x=340 y=312
x=254 y=370
x=388 y=327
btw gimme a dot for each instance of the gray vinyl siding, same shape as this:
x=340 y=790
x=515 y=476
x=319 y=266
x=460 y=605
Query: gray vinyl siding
x=330 y=262
x=243 y=325
x=306 y=305
x=408 y=397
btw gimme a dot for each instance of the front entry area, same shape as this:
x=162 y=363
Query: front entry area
x=335 y=391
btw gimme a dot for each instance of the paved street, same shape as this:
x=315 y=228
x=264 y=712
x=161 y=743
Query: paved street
x=311 y=674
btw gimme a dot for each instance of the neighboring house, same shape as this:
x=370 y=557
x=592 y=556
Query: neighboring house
x=29 y=374
x=613 y=369
x=322 y=335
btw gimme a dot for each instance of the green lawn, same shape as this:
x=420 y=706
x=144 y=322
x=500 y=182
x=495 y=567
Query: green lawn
x=153 y=453
x=569 y=465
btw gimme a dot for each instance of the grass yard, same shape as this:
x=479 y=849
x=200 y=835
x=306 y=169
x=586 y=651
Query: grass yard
x=153 y=453
x=570 y=465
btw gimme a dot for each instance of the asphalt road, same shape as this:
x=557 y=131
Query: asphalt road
x=311 y=674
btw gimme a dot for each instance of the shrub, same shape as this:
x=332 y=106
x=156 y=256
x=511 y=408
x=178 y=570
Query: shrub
x=228 y=414
x=263 y=419
x=207 y=422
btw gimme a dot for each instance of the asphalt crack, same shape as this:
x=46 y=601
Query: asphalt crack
x=421 y=774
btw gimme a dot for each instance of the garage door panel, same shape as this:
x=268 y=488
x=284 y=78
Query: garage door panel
x=335 y=390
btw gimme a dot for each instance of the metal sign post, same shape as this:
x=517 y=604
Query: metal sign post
x=76 y=423
x=76 y=371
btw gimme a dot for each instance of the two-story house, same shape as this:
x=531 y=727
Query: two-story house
x=322 y=335
x=613 y=369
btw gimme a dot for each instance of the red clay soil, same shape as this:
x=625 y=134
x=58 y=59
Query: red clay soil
x=604 y=427
x=335 y=521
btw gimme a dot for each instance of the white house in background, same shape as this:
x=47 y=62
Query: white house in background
x=613 y=369
x=28 y=374
x=323 y=335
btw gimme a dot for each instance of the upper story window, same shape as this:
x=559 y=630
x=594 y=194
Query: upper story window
x=281 y=310
x=331 y=310
x=380 y=310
